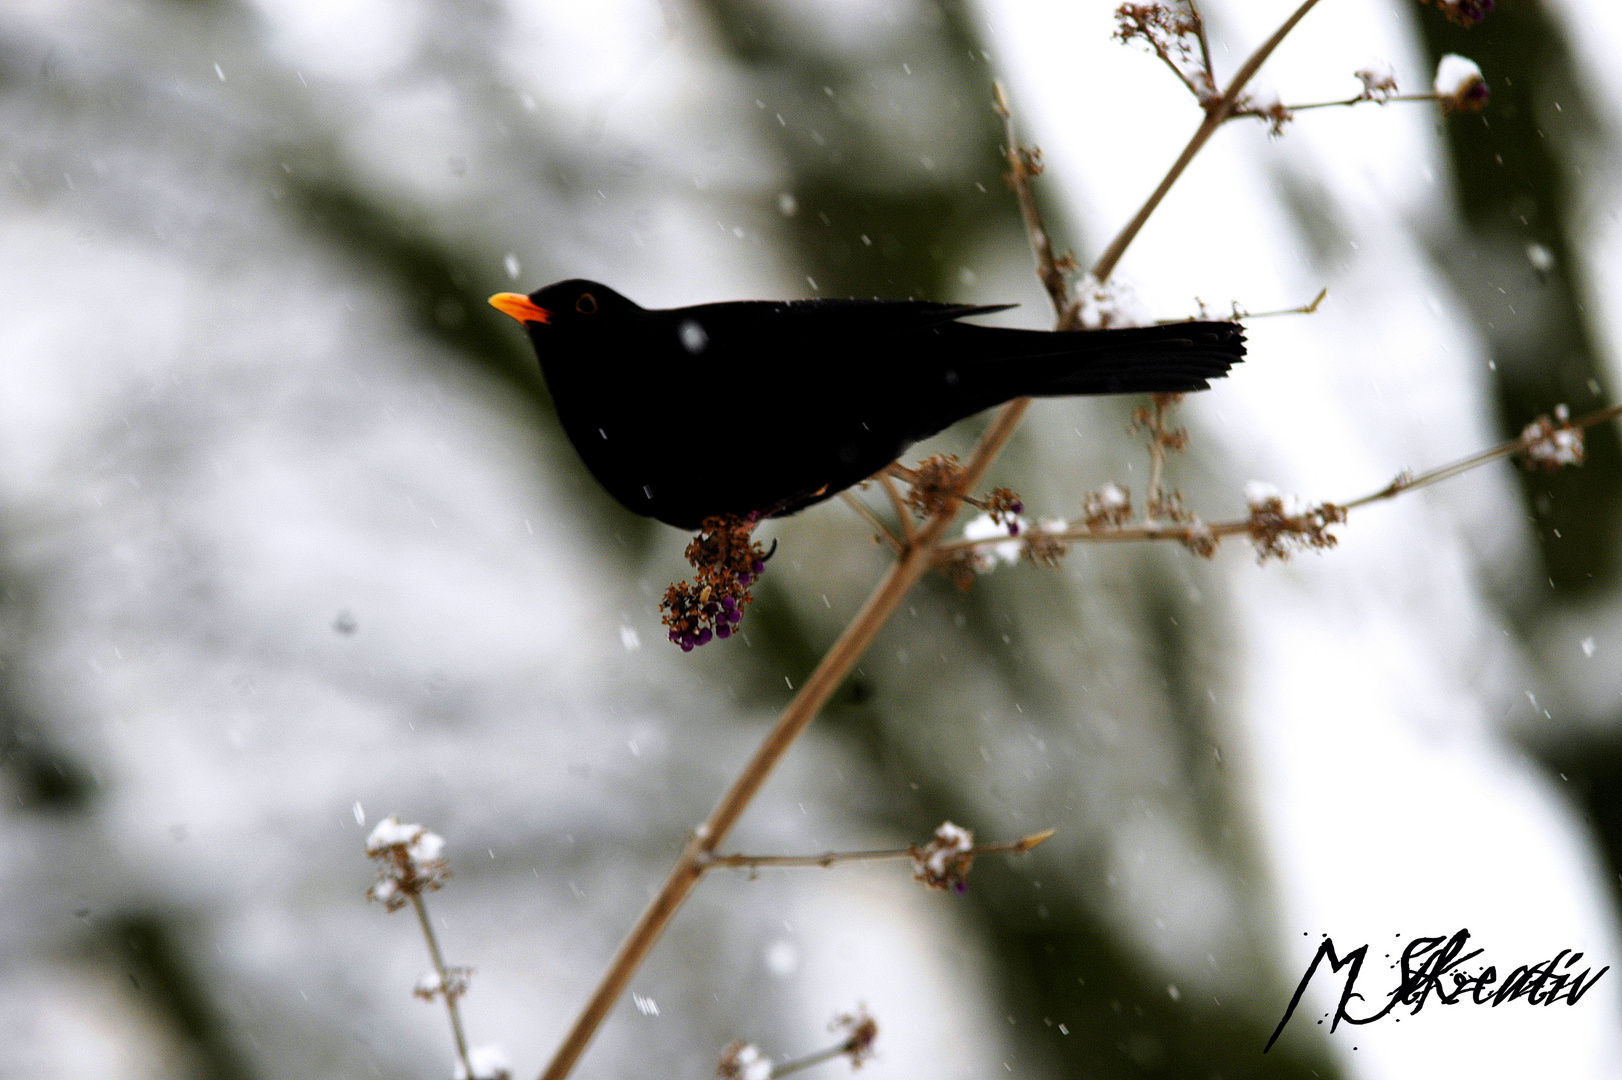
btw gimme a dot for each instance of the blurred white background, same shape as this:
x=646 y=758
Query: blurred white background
x=289 y=541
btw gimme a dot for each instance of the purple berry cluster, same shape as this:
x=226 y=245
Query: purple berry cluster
x=728 y=562
x=1464 y=12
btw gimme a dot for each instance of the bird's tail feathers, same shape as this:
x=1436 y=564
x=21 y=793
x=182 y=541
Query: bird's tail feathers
x=1171 y=358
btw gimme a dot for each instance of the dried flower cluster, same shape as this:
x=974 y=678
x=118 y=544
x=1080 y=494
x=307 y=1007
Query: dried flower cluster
x=1156 y=416
x=729 y=562
x=743 y=1061
x=1108 y=507
x=1005 y=507
x=1200 y=539
x=1548 y=444
x=1275 y=112
x=453 y=984
x=1459 y=85
x=1046 y=545
x=944 y=862
x=1379 y=83
x=935 y=485
x=1173 y=34
x=1463 y=12
x=863 y=1033
x=410 y=859
x=1279 y=525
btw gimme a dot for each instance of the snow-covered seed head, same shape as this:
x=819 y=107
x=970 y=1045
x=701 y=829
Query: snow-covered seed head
x=1547 y=444
x=411 y=861
x=1459 y=85
x=944 y=862
x=743 y=1061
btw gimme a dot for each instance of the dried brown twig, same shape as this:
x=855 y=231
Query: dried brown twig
x=833 y=858
x=1546 y=443
x=411 y=863
x=915 y=560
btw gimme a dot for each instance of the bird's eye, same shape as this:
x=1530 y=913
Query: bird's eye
x=586 y=305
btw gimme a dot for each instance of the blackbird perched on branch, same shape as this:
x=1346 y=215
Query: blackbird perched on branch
x=766 y=407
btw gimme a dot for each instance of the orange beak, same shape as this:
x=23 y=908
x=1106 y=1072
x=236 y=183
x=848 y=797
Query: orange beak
x=520 y=307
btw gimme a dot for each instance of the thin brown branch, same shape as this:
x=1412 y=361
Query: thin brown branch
x=1160 y=51
x=871 y=518
x=831 y=858
x=1215 y=115
x=1205 y=49
x=1361 y=99
x=809 y=1060
x=1183 y=532
x=1021 y=168
x=446 y=982
x=1406 y=482
x=1309 y=308
x=903 y=512
x=812 y=695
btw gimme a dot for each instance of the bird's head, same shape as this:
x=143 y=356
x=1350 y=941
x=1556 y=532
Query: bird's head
x=575 y=304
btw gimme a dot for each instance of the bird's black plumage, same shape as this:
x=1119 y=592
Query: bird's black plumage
x=770 y=406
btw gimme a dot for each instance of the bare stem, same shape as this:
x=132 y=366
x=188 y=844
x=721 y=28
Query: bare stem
x=909 y=529
x=1216 y=114
x=446 y=986
x=831 y=858
x=1205 y=47
x=871 y=518
x=810 y=1059
x=915 y=561
x=1154 y=499
x=1309 y=308
x=1360 y=99
x=1445 y=472
x=1183 y=532
x=1020 y=171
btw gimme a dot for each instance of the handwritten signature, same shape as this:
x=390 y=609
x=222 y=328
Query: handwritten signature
x=1433 y=967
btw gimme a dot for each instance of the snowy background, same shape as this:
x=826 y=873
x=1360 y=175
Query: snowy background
x=289 y=541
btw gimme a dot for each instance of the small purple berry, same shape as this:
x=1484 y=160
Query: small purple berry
x=961 y=887
x=711 y=608
x=759 y=567
x=728 y=603
x=723 y=631
x=1017 y=507
x=686 y=646
x=744 y=579
x=1013 y=528
x=734 y=616
x=704 y=636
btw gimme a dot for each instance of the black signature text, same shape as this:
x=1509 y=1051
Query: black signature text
x=1434 y=968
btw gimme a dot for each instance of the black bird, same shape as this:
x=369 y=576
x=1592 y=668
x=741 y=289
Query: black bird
x=764 y=406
